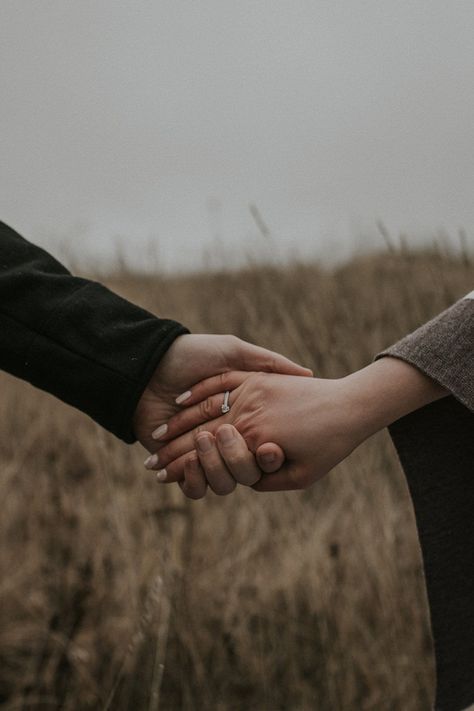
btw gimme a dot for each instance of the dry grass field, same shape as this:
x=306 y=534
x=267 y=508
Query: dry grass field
x=117 y=593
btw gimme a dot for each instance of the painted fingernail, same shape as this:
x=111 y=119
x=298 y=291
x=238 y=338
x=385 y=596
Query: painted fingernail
x=162 y=475
x=183 y=397
x=151 y=462
x=269 y=458
x=204 y=444
x=225 y=434
x=160 y=431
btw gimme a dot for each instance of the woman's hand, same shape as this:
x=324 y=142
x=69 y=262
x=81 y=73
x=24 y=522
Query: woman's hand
x=317 y=422
x=312 y=420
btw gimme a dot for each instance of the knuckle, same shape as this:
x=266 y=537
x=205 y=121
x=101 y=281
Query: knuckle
x=234 y=346
x=206 y=408
x=191 y=464
x=271 y=363
x=224 y=489
x=223 y=380
x=232 y=339
x=258 y=383
x=245 y=425
x=194 y=494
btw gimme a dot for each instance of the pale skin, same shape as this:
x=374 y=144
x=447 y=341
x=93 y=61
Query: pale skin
x=318 y=423
x=193 y=358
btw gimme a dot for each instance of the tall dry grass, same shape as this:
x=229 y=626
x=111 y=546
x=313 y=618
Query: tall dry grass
x=116 y=593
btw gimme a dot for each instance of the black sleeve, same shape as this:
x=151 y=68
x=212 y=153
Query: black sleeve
x=74 y=338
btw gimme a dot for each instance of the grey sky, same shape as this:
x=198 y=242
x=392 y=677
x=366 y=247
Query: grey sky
x=164 y=119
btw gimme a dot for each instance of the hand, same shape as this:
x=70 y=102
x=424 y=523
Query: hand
x=318 y=422
x=223 y=461
x=311 y=419
x=192 y=358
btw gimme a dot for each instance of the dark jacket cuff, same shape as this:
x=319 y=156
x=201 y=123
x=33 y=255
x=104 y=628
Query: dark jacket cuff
x=74 y=338
x=167 y=332
x=97 y=352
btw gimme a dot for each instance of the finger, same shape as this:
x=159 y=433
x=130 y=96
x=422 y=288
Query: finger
x=236 y=455
x=257 y=358
x=174 y=471
x=183 y=445
x=212 y=386
x=194 y=485
x=172 y=458
x=289 y=478
x=218 y=476
x=270 y=457
x=203 y=413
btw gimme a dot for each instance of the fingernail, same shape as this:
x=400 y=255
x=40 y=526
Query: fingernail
x=183 y=397
x=162 y=475
x=204 y=444
x=225 y=435
x=160 y=431
x=151 y=462
x=269 y=458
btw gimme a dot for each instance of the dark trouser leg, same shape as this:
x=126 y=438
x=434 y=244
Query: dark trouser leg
x=436 y=449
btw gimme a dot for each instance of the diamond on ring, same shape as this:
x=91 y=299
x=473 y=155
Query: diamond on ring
x=225 y=407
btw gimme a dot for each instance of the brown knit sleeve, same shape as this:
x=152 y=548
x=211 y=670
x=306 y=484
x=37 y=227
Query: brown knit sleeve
x=443 y=348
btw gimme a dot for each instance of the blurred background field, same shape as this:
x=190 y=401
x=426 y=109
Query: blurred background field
x=117 y=593
x=133 y=136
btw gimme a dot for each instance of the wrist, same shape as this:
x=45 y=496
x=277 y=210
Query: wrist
x=387 y=390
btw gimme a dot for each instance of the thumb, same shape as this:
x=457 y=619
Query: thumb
x=270 y=457
x=257 y=358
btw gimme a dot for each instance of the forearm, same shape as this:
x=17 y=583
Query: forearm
x=387 y=390
x=73 y=337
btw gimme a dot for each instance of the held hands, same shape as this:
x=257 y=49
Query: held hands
x=317 y=422
x=190 y=359
x=313 y=420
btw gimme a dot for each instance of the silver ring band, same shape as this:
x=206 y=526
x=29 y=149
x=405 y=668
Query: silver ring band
x=225 y=407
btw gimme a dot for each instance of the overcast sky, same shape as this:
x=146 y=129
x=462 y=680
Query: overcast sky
x=162 y=120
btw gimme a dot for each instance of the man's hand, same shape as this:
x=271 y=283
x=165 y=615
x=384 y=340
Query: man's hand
x=193 y=358
x=224 y=461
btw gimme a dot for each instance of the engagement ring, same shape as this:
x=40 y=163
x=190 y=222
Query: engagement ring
x=225 y=407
